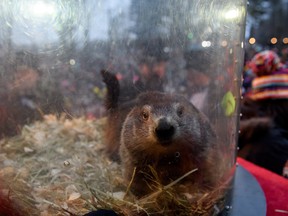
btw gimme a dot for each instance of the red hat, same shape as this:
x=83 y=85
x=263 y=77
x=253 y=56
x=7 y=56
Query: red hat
x=265 y=63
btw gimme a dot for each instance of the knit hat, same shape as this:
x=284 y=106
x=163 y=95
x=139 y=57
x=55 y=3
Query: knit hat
x=265 y=63
x=271 y=81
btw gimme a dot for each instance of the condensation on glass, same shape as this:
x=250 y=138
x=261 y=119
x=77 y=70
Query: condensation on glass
x=51 y=57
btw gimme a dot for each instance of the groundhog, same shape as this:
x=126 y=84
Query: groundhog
x=160 y=137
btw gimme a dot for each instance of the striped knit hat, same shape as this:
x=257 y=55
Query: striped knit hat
x=271 y=81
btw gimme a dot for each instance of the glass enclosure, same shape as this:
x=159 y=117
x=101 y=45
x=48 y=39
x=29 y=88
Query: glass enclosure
x=95 y=105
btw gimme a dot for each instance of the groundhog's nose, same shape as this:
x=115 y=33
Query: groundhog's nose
x=165 y=130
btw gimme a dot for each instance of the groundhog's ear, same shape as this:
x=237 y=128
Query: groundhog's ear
x=182 y=99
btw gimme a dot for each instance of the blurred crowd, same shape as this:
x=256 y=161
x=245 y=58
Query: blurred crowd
x=264 y=122
x=32 y=85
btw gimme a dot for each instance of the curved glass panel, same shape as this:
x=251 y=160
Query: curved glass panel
x=125 y=105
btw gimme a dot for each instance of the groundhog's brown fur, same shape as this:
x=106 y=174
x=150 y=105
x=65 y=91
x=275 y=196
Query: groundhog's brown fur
x=165 y=133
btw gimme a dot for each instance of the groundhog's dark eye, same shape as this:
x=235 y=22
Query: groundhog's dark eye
x=145 y=115
x=180 y=111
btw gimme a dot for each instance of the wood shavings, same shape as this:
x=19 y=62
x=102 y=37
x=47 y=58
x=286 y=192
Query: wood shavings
x=28 y=150
x=74 y=196
x=55 y=158
x=58 y=168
